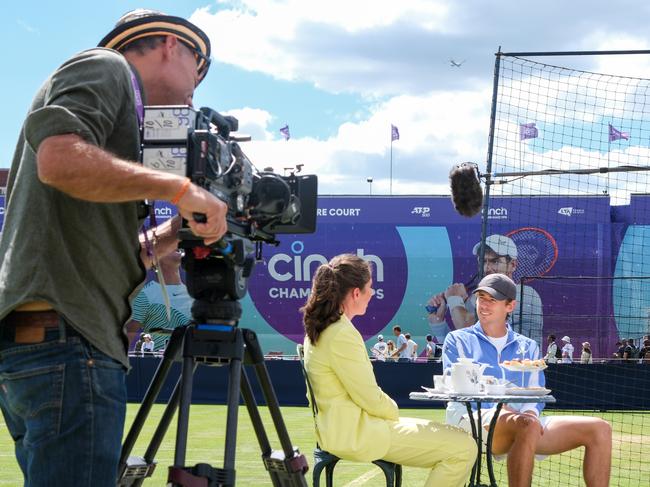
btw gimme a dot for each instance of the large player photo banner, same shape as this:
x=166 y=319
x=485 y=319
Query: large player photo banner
x=418 y=246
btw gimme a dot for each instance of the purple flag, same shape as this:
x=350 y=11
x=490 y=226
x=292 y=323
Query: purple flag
x=615 y=134
x=285 y=132
x=527 y=131
x=394 y=133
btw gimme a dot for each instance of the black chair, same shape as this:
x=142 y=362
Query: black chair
x=327 y=461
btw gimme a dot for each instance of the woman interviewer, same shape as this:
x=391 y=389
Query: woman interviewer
x=356 y=419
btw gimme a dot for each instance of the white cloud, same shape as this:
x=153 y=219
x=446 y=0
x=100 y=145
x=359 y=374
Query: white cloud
x=436 y=131
x=397 y=55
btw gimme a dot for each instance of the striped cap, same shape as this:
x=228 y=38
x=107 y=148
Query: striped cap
x=140 y=23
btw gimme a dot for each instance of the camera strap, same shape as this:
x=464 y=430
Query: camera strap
x=149 y=246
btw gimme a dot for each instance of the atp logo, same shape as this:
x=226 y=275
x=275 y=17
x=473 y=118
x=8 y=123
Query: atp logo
x=423 y=211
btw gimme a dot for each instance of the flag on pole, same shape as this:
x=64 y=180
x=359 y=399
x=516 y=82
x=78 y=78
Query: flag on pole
x=285 y=132
x=615 y=134
x=394 y=133
x=527 y=131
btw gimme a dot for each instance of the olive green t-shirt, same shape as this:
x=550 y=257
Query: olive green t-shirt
x=79 y=256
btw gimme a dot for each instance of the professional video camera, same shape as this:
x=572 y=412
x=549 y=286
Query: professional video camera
x=202 y=146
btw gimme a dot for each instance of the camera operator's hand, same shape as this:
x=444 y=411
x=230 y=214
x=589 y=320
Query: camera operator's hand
x=198 y=200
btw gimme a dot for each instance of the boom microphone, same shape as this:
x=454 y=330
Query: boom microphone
x=466 y=191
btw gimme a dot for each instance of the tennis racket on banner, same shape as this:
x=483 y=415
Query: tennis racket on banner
x=536 y=252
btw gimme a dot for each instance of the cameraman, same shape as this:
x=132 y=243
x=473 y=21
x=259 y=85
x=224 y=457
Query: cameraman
x=71 y=256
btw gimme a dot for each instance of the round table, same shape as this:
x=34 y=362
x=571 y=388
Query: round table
x=477 y=433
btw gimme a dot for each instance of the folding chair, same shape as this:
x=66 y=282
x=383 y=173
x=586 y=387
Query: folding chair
x=326 y=460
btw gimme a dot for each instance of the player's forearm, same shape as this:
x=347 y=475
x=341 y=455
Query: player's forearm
x=82 y=170
x=461 y=318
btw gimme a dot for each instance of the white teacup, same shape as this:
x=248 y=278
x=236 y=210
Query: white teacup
x=440 y=382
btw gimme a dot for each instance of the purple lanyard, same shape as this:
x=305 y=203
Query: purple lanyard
x=139 y=110
x=139 y=106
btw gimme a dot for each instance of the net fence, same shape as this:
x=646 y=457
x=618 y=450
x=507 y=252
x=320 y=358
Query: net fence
x=567 y=215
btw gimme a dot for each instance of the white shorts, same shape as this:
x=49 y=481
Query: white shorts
x=486 y=417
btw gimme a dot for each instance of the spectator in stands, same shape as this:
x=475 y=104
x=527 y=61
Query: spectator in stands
x=630 y=352
x=431 y=348
x=620 y=348
x=138 y=345
x=400 y=352
x=501 y=256
x=552 y=350
x=148 y=344
x=520 y=432
x=411 y=347
x=644 y=353
x=586 y=355
x=390 y=351
x=378 y=350
x=567 y=350
x=356 y=419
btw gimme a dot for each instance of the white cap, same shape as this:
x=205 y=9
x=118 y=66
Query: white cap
x=380 y=337
x=566 y=339
x=500 y=245
x=146 y=335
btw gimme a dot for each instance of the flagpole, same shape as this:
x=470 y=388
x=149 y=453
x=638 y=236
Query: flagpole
x=391 y=161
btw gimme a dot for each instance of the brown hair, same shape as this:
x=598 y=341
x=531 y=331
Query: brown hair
x=330 y=286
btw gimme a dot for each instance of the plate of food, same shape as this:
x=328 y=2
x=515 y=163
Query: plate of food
x=527 y=391
x=525 y=365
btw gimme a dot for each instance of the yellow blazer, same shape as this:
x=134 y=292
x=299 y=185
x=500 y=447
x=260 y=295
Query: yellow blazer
x=352 y=410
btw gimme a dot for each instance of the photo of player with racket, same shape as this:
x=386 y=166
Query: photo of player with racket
x=522 y=253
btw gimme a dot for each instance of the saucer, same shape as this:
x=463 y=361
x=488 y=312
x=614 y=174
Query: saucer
x=431 y=390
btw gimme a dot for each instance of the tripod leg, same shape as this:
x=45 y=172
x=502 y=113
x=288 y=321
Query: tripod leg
x=234 y=381
x=255 y=352
x=184 y=411
x=254 y=413
x=150 y=396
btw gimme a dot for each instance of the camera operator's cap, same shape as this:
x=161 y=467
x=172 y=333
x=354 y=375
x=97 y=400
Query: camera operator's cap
x=140 y=23
x=566 y=339
x=499 y=286
x=380 y=337
x=146 y=335
x=500 y=245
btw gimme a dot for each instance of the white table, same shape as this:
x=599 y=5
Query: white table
x=477 y=433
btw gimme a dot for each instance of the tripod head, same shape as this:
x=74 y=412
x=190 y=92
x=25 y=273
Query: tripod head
x=217 y=278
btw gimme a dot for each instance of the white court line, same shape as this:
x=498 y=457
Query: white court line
x=370 y=474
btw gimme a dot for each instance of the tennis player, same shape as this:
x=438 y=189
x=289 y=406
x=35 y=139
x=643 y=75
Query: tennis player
x=500 y=257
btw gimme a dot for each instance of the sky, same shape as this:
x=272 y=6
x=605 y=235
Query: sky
x=339 y=73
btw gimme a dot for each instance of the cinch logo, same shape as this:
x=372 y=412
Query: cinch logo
x=166 y=211
x=498 y=213
x=423 y=211
x=283 y=267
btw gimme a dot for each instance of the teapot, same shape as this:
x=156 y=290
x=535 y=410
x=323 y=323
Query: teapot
x=466 y=376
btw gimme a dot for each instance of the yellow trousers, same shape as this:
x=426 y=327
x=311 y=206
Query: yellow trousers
x=447 y=450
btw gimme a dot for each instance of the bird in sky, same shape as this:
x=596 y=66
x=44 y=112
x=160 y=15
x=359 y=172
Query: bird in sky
x=456 y=64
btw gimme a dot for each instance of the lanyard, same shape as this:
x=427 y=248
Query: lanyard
x=139 y=106
x=139 y=110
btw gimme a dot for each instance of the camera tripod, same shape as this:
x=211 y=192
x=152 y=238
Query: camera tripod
x=214 y=339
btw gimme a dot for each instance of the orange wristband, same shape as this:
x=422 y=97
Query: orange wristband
x=181 y=191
